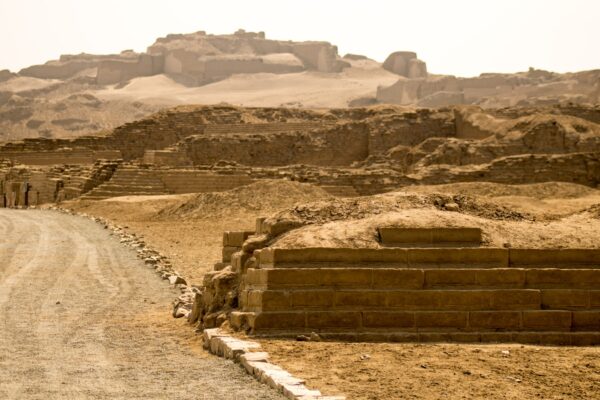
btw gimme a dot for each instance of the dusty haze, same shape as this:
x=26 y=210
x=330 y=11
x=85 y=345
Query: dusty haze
x=462 y=38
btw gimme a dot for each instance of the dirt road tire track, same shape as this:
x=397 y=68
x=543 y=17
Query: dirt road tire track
x=82 y=318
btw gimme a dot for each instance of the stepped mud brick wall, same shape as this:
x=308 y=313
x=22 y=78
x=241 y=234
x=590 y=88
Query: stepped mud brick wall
x=192 y=181
x=131 y=180
x=128 y=180
x=582 y=168
x=59 y=157
x=425 y=294
x=171 y=157
x=232 y=243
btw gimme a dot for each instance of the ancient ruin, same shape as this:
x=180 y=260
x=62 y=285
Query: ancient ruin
x=286 y=192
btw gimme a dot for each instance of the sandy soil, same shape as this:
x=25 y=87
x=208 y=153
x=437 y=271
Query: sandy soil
x=189 y=229
x=305 y=89
x=441 y=371
x=83 y=318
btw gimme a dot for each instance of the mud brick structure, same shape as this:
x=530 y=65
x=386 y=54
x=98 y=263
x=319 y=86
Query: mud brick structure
x=348 y=152
x=436 y=285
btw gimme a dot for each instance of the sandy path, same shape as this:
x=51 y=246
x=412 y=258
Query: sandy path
x=81 y=317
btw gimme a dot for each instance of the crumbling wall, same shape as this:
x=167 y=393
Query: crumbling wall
x=408 y=129
x=56 y=157
x=115 y=71
x=320 y=56
x=581 y=168
x=341 y=145
x=473 y=123
x=193 y=181
x=405 y=63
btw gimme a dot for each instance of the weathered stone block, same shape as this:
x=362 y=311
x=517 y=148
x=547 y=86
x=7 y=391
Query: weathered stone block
x=518 y=299
x=441 y=319
x=346 y=277
x=275 y=278
x=565 y=299
x=459 y=256
x=586 y=320
x=227 y=252
x=312 y=298
x=360 y=298
x=388 y=319
x=256 y=277
x=398 y=278
x=450 y=277
x=554 y=257
x=333 y=319
x=277 y=321
x=268 y=300
x=512 y=277
x=495 y=319
x=585 y=338
x=594 y=298
x=440 y=299
x=547 y=320
x=238 y=261
x=563 y=277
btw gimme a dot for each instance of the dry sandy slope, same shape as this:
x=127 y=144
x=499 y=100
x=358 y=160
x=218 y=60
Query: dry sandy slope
x=189 y=228
x=82 y=317
x=307 y=89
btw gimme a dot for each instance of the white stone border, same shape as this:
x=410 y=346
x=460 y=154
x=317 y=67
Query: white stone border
x=257 y=364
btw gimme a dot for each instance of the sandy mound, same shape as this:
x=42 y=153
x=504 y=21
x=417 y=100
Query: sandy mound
x=264 y=196
x=362 y=233
x=354 y=222
x=544 y=201
x=307 y=89
x=544 y=190
x=320 y=212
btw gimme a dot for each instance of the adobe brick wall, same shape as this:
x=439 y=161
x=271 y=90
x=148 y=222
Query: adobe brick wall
x=458 y=294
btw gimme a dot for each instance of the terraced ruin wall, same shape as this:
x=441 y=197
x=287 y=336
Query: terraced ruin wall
x=300 y=136
x=581 y=168
x=59 y=157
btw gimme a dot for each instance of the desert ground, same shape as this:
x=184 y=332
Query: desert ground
x=380 y=230
x=186 y=228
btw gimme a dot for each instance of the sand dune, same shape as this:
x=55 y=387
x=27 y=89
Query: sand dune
x=308 y=89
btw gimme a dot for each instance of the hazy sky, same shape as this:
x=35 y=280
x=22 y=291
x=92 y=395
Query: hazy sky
x=461 y=37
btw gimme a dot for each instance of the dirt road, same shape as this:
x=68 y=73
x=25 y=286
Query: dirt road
x=81 y=317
